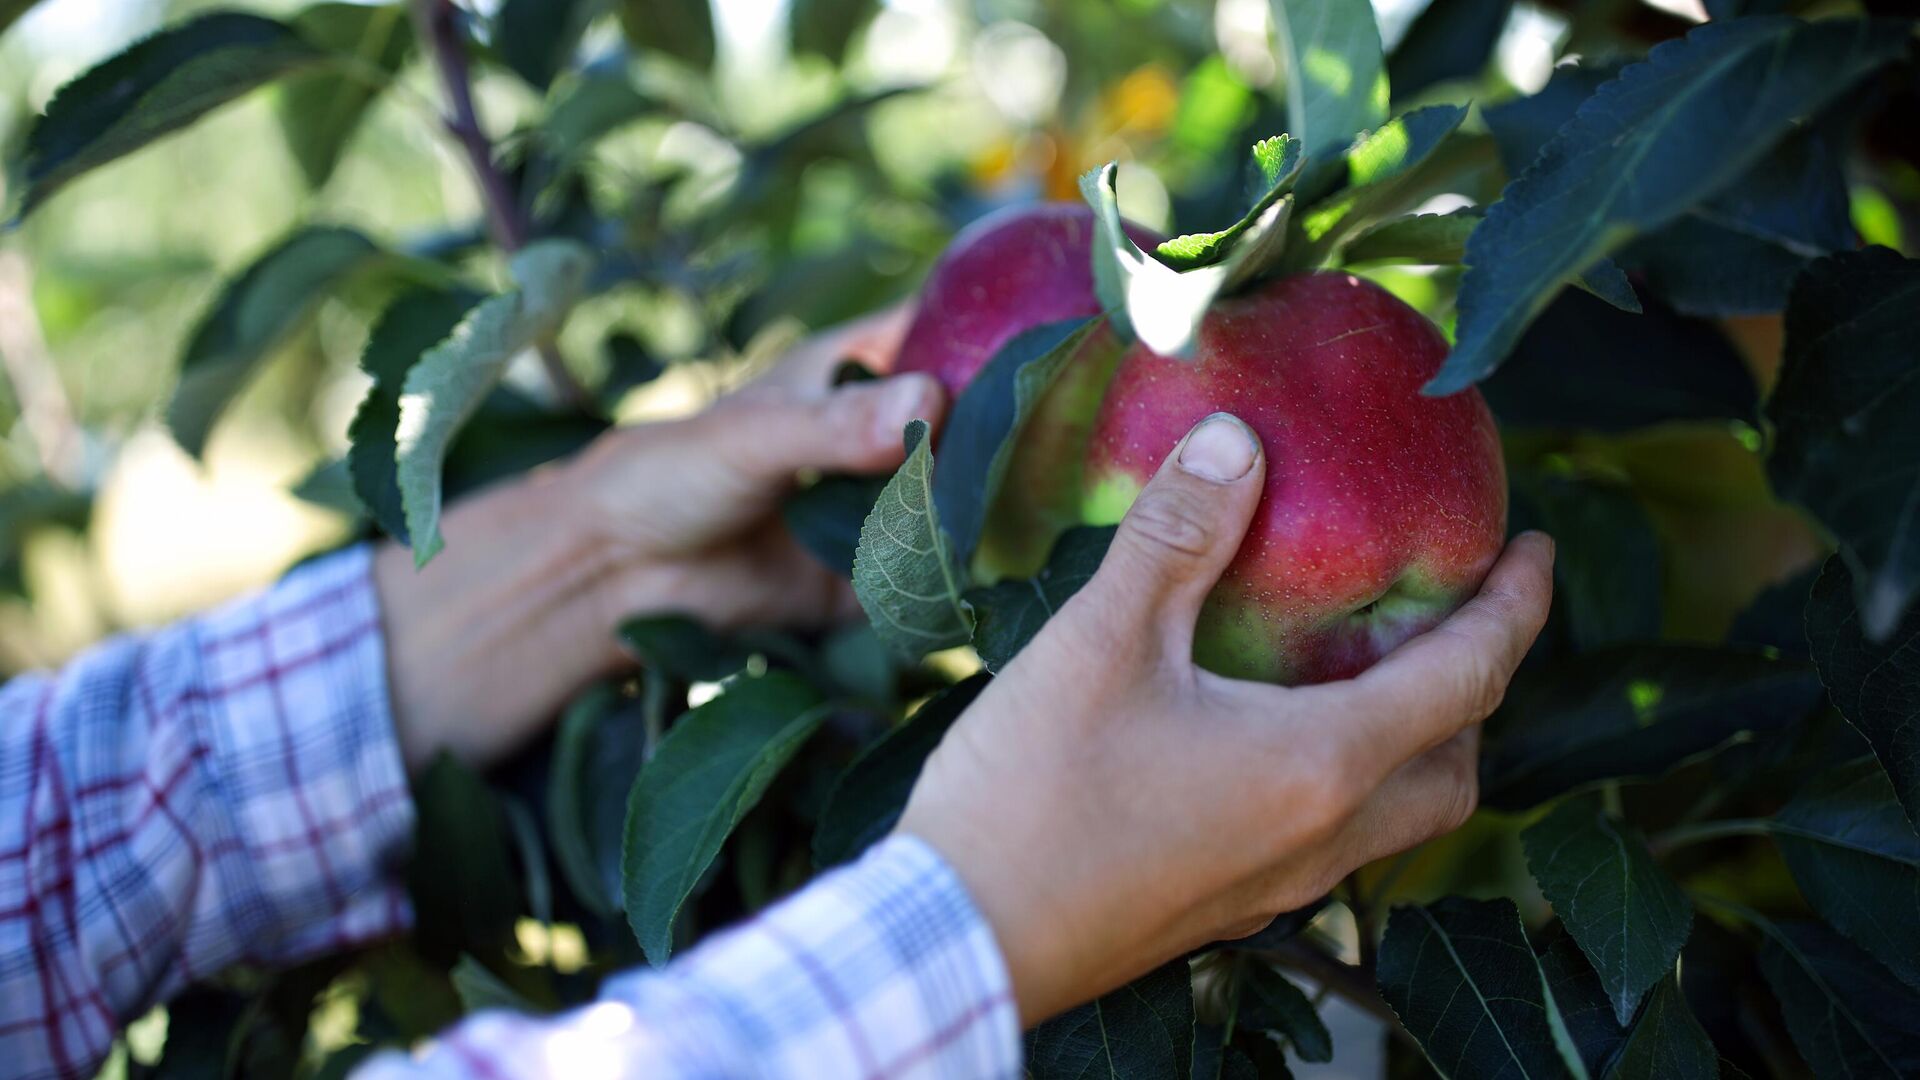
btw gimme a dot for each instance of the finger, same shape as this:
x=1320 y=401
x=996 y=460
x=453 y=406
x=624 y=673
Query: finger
x=872 y=340
x=1430 y=796
x=854 y=428
x=1180 y=534
x=1435 y=685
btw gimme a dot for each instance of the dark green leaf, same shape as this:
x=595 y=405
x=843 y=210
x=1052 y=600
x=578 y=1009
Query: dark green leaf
x=1143 y=1029
x=254 y=315
x=826 y=517
x=1873 y=684
x=411 y=325
x=1269 y=1001
x=1844 y=409
x=681 y=648
x=1632 y=712
x=825 y=27
x=680 y=28
x=1607 y=572
x=151 y=89
x=1463 y=981
x=708 y=772
x=1663 y=124
x=629 y=365
x=452 y=379
x=904 y=572
x=1417 y=238
x=1608 y=282
x=598 y=749
x=1857 y=860
x=867 y=799
x=594 y=104
x=1667 y=1042
x=1581 y=1000
x=1626 y=914
x=462 y=874
x=1277 y=161
x=1007 y=614
x=1777 y=618
x=1847 y=1015
x=982 y=427
x=481 y=989
x=320 y=110
x=1380 y=169
x=1450 y=39
x=1336 y=74
x=1584 y=365
x=1215 y=1058
x=1705 y=269
x=537 y=38
x=532 y=852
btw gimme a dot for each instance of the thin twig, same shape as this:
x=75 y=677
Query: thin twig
x=28 y=363
x=437 y=23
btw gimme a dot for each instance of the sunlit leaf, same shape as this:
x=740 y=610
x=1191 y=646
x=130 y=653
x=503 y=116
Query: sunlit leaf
x=1336 y=73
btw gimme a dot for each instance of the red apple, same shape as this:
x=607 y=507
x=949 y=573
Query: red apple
x=1012 y=270
x=1383 y=509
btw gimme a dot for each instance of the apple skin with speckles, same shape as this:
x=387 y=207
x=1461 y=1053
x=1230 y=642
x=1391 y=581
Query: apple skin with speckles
x=1383 y=509
x=1010 y=271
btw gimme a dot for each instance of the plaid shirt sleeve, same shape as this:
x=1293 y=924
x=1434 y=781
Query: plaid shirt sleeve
x=881 y=969
x=225 y=790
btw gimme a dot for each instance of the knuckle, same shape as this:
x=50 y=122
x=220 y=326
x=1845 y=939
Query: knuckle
x=1171 y=524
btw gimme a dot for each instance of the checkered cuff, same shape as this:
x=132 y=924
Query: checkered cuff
x=224 y=790
x=881 y=969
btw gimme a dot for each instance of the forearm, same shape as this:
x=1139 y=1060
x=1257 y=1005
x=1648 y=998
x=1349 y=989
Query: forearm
x=223 y=791
x=881 y=969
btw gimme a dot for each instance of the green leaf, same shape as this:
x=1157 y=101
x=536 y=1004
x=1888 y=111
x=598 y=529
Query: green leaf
x=1847 y=1016
x=1659 y=139
x=978 y=438
x=1632 y=712
x=1843 y=409
x=1857 y=860
x=1449 y=39
x=1608 y=282
x=480 y=989
x=1149 y=300
x=1277 y=161
x=682 y=29
x=629 y=366
x=868 y=798
x=1585 y=365
x=1872 y=683
x=1667 y=1042
x=825 y=27
x=1463 y=981
x=708 y=772
x=904 y=573
x=1607 y=569
x=320 y=110
x=1585 y=1012
x=411 y=325
x=679 y=647
x=1009 y=613
x=451 y=380
x=537 y=38
x=1380 y=179
x=1269 y=1001
x=590 y=105
x=254 y=315
x=461 y=877
x=532 y=852
x=1626 y=914
x=1336 y=74
x=1143 y=1029
x=598 y=748
x=151 y=89
x=1431 y=239
x=826 y=517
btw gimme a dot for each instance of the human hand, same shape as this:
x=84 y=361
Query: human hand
x=519 y=611
x=1111 y=806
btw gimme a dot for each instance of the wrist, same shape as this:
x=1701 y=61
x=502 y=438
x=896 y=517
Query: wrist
x=488 y=639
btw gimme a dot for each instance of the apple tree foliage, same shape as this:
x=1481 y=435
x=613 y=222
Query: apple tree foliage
x=1679 y=270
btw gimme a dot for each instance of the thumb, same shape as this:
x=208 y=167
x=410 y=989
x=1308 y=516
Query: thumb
x=853 y=428
x=1182 y=531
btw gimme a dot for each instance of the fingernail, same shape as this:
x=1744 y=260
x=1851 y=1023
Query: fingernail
x=905 y=399
x=1543 y=537
x=1220 y=449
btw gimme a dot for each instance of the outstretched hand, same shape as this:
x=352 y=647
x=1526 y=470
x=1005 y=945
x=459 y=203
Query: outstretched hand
x=1112 y=806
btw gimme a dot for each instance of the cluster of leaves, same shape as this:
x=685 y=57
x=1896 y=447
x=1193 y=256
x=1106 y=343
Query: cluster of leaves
x=1702 y=804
